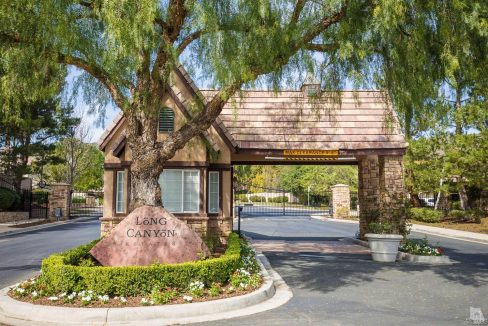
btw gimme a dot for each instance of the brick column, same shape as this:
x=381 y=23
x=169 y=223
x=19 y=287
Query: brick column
x=341 y=201
x=368 y=191
x=392 y=191
x=60 y=197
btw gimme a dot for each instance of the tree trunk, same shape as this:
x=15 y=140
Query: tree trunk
x=463 y=197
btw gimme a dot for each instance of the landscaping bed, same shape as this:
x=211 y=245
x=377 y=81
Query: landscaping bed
x=456 y=219
x=73 y=279
x=420 y=251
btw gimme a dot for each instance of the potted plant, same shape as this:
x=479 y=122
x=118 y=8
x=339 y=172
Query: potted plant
x=382 y=243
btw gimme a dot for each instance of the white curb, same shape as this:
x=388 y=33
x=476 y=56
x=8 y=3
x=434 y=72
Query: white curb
x=273 y=293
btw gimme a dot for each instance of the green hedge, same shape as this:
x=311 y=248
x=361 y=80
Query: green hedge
x=8 y=199
x=255 y=198
x=60 y=272
x=242 y=197
x=425 y=215
x=279 y=199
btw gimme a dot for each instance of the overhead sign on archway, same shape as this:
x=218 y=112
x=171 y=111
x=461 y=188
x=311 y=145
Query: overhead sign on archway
x=308 y=152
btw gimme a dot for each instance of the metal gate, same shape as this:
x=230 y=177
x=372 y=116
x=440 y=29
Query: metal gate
x=38 y=204
x=88 y=203
x=254 y=201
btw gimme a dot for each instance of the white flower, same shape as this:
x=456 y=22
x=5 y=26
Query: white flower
x=20 y=290
x=62 y=295
x=35 y=294
x=123 y=300
x=90 y=292
x=53 y=298
x=86 y=298
x=104 y=298
x=71 y=296
x=243 y=285
x=197 y=285
x=144 y=301
x=151 y=302
x=187 y=298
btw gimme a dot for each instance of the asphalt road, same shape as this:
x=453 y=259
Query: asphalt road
x=346 y=289
x=21 y=254
x=329 y=289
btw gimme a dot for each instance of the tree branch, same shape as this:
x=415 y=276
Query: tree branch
x=321 y=47
x=187 y=41
x=297 y=11
x=100 y=75
x=324 y=24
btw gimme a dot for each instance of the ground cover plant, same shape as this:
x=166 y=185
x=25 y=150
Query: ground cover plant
x=73 y=278
x=420 y=247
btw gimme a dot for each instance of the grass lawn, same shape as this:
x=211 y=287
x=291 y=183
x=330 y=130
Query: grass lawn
x=471 y=227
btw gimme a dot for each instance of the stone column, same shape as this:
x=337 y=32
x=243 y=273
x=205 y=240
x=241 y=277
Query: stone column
x=341 y=201
x=392 y=191
x=60 y=197
x=368 y=191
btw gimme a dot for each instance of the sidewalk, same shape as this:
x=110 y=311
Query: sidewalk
x=443 y=232
x=6 y=229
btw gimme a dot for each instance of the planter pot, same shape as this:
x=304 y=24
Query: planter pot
x=424 y=259
x=384 y=247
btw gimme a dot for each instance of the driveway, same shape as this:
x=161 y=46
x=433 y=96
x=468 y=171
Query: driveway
x=21 y=254
x=347 y=288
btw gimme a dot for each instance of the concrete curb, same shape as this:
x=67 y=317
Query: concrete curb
x=357 y=241
x=44 y=226
x=326 y=218
x=273 y=293
x=450 y=233
x=405 y=256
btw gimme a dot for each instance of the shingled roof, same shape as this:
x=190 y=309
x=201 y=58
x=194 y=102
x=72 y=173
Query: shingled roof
x=289 y=120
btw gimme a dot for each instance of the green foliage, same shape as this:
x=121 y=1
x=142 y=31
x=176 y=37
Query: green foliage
x=62 y=273
x=215 y=289
x=380 y=227
x=163 y=296
x=8 y=199
x=257 y=199
x=279 y=199
x=242 y=198
x=78 y=200
x=419 y=247
x=424 y=215
x=458 y=215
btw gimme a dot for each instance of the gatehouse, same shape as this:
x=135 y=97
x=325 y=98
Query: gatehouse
x=304 y=126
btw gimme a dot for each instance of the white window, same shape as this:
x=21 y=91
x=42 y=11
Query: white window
x=120 y=193
x=213 y=192
x=180 y=190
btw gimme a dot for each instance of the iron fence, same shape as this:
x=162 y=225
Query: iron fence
x=251 y=200
x=86 y=203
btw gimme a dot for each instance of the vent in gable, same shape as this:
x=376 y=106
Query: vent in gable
x=166 y=120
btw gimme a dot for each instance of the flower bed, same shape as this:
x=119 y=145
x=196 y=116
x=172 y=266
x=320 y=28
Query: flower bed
x=420 y=247
x=71 y=279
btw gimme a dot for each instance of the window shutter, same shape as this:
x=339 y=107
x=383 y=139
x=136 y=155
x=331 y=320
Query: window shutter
x=166 y=120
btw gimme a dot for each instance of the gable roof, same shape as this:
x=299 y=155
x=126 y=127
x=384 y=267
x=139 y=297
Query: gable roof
x=262 y=120
x=290 y=120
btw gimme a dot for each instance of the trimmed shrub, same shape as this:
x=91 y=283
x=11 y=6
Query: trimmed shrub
x=242 y=197
x=62 y=273
x=78 y=200
x=259 y=199
x=425 y=215
x=8 y=199
x=279 y=199
x=458 y=215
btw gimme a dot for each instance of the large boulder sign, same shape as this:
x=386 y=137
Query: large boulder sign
x=149 y=235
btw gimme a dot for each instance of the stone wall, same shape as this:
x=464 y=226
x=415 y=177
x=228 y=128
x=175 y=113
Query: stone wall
x=341 y=201
x=60 y=197
x=6 y=217
x=392 y=205
x=381 y=191
x=368 y=192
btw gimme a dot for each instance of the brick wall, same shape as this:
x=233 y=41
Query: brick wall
x=6 y=217
x=60 y=197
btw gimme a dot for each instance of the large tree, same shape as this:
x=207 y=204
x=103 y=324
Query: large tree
x=128 y=50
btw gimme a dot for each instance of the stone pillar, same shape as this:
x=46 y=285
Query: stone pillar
x=368 y=191
x=392 y=192
x=341 y=201
x=60 y=197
